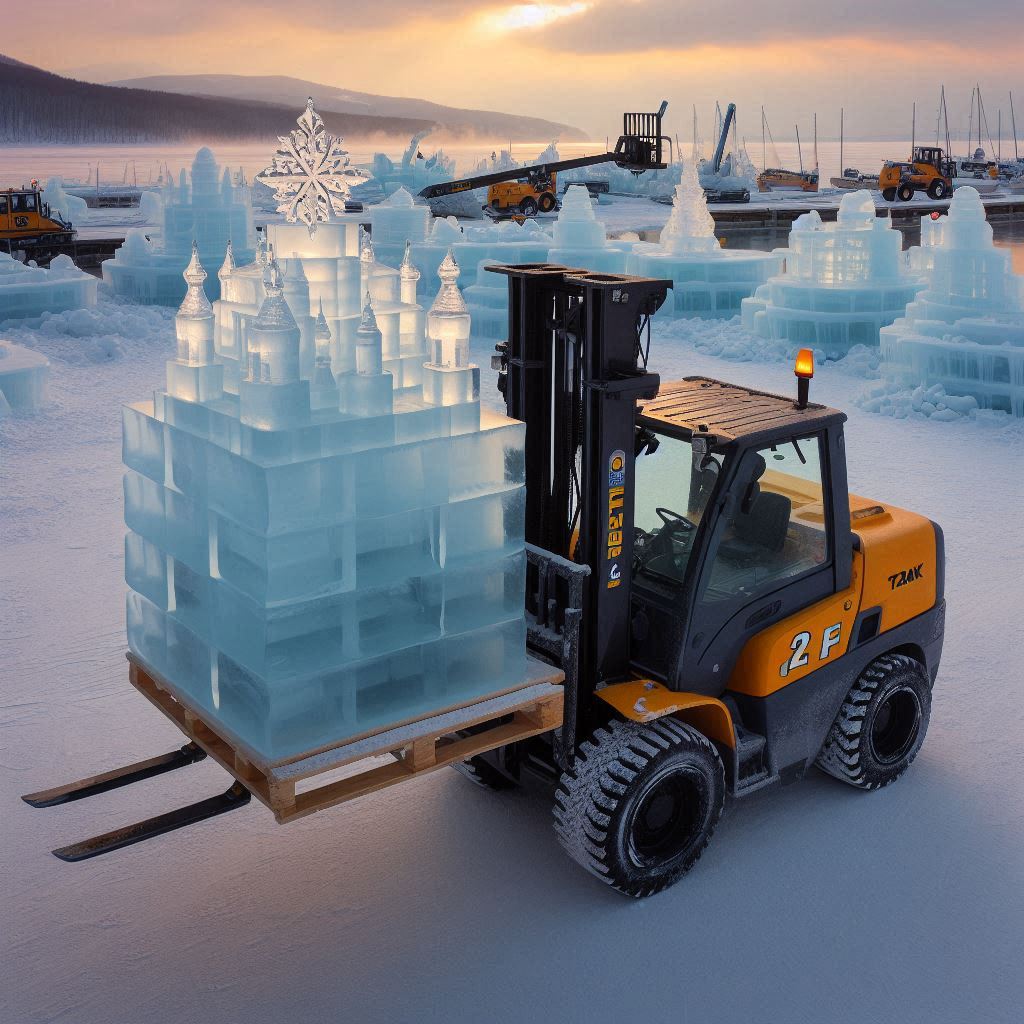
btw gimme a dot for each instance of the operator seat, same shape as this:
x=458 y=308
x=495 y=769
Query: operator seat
x=759 y=529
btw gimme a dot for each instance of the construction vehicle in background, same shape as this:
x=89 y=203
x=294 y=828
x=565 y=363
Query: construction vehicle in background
x=526 y=191
x=719 y=612
x=927 y=170
x=716 y=193
x=26 y=218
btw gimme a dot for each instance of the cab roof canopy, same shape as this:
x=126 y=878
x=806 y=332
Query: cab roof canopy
x=732 y=415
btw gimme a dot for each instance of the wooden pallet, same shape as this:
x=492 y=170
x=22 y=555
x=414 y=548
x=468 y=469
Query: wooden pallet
x=418 y=747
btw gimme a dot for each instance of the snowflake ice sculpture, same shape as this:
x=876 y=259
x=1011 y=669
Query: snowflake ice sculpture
x=310 y=173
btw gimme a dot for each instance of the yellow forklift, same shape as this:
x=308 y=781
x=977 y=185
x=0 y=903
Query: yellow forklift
x=722 y=614
x=26 y=218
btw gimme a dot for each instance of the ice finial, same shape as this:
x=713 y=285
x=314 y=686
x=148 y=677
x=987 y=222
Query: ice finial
x=408 y=269
x=196 y=304
x=228 y=266
x=369 y=321
x=449 y=299
x=366 y=253
x=448 y=321
x=261 y=250
x=322 y=331
x=310 y=172
x=274 y=311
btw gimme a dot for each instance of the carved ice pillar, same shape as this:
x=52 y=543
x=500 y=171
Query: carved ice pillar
x=449 y=378
x=193 y=375
x=368 y=391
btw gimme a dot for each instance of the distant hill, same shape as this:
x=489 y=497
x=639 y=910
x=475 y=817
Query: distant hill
x=39 y=107
x=453 y=121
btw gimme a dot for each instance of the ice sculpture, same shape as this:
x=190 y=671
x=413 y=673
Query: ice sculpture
x=72 y=209
x=399 y=219
x=580 y=239
x=28 y=290
x=843 y=281
x=965 y=331
x=707 y=281
x=325 y=528
x=209 y=207
x=23 y=379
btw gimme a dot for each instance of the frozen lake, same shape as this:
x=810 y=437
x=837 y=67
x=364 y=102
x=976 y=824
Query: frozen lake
x=437 y=901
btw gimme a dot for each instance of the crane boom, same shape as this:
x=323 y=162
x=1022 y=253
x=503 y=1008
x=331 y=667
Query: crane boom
x=730 y=116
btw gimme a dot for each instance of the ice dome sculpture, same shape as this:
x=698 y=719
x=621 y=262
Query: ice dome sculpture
x=28 y=290
x=399 y=219
x=707 y=281
x=580 y=240
x=843 y=281
x=325 y=528
x=965 y=331
x=23 y=379
x=209 y=207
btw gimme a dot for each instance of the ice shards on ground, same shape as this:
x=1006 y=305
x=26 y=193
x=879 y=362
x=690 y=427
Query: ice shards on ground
x=843 y=282
x=23 y=378
x=211 y=208
x=964 y=334
x=325 y=529
x=707 y=281
x=28 y=290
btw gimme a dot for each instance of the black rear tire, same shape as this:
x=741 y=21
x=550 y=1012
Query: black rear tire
x=640 y=803
x=528 y=207
x=888 y=194
x=905 y=193
x=937 y=189
x=881 y=725
x=547 y=202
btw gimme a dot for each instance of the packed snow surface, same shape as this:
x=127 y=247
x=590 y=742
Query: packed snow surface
x=439 y=901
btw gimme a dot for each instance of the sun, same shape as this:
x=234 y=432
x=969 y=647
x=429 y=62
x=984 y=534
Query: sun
x=527 y=16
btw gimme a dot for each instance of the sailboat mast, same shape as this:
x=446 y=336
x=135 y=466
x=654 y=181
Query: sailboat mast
x=1013 y=121
x=913 y=129
x=764 y=145
x=799 y=151
x=842 y=166
x=815 y=140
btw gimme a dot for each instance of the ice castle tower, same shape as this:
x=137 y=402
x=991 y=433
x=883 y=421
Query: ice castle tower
x=707 y=281
x=315 y=552
x=210 y=208
x=965 y=331
x=843 y=281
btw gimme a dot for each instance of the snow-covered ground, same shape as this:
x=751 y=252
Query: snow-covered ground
x=437 y=901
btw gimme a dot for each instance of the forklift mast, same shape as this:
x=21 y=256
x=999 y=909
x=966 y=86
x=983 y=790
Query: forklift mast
x=572 y=370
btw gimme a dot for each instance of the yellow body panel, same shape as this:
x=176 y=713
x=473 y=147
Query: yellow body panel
x=24 y=224
x=894 y=570
x=644 y=700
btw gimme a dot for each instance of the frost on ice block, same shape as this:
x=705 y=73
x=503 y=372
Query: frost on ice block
x=843 y=281
x=318 y=553
x=707 y=281
x=23 y=379
x=28 y=290
x=965 y=332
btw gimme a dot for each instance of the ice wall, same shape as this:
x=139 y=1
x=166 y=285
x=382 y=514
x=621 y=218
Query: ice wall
x=28 y=290
x=965 y=330
x=23 y=379
x=209 y=207
x=325 y=528
x=843 y=282
x=707 y=281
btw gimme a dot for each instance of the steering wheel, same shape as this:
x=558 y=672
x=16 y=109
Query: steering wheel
x=673 y=519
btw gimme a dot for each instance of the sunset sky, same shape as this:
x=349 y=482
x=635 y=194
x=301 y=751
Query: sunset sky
x=579 y=61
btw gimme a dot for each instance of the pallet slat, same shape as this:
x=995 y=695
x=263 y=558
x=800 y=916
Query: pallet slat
x=419 y=747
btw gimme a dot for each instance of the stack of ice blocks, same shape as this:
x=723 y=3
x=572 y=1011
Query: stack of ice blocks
x=315 y=555
x=707 y=281
x=965 y=331
x=843 y=281
x=28 y=290
x=580 y=239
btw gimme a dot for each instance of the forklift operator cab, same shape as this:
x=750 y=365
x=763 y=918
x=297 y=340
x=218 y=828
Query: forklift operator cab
x=729 y=537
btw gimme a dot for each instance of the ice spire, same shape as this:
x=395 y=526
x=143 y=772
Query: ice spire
x=448 y=319
x=227 y=268
x=194 y=322
x=409 y=275
x=369 y=343
x=690 y=226
x=196 y=304
x=274 y=311
x=323 y=388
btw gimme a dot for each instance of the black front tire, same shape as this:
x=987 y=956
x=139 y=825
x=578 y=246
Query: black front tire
x=888 y=194
x=547 y=202
x=640 y=803
x=881 y=725
x=528 y=207
x=905 y=193
x=482 y=774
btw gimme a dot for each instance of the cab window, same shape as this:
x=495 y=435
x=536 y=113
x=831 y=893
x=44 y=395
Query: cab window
x=23 y=202
x=777 y=528
x=3 y=205
x=673 y=488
